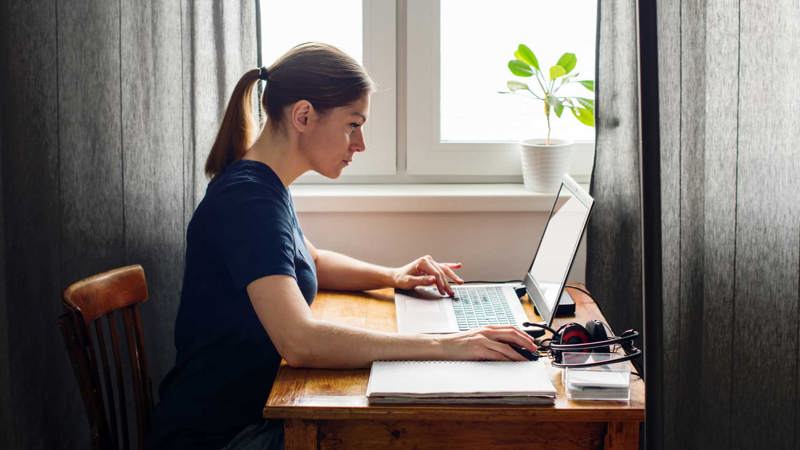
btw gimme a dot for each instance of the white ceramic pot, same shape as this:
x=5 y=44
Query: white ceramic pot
x=543 y=165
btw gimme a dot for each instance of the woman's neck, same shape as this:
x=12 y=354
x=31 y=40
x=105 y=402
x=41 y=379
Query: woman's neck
x=280 y=153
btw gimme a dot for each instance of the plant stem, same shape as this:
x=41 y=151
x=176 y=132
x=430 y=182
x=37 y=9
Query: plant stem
x=547 y=142
x=547 y=114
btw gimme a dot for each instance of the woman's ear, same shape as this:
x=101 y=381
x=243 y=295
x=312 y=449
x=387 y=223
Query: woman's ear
x=301 y=114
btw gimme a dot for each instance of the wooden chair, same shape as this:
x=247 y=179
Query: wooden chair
x=90 y=302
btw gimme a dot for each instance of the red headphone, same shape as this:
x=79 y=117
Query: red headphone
x=573 y=337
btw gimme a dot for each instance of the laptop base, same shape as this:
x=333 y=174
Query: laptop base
x=565 y=308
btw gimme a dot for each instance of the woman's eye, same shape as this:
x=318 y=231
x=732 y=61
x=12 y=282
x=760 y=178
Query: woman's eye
x=354 y=125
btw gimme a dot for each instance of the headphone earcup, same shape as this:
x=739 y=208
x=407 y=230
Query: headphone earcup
x=570 y=333
x=573 y=333
x=597 y=333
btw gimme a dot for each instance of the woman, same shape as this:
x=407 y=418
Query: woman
x=251 y=273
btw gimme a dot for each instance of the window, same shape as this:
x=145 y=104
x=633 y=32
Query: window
x=366 y=30
x=452 y=123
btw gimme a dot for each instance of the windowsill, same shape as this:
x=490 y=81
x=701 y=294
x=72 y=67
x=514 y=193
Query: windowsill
x=419 y=198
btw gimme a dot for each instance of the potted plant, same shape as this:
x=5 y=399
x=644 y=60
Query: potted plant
x=544 y=160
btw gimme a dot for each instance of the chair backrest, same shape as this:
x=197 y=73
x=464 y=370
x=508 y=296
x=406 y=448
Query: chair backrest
x=109 y=298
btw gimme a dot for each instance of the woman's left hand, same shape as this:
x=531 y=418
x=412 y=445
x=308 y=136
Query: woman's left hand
x=425 y=271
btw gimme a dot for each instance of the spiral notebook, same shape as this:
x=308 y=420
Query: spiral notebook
x=501 y=382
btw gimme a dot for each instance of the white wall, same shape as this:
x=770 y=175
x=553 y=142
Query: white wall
x=492 y=245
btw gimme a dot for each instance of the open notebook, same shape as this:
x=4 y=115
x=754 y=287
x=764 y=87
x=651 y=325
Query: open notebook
x=504 y=382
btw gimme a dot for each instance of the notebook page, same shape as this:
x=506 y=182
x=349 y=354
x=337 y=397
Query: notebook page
x=459 y=379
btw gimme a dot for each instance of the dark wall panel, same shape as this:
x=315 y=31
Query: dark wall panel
x=767 y=221
x=152 y=138
x=720 y=105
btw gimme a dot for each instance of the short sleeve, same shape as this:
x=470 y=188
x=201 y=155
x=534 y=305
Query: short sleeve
x=256 y=236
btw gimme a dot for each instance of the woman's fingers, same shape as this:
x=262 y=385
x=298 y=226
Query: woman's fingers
x=510 y=334
x=427 y=265
x=422 y=280
x=447 y=269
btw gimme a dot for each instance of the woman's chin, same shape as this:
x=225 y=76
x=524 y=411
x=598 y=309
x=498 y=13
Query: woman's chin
x=332 y=174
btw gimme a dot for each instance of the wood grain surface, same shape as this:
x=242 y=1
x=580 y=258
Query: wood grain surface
x=340 y=394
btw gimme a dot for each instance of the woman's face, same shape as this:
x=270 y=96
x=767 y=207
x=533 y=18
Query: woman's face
x=335 y=137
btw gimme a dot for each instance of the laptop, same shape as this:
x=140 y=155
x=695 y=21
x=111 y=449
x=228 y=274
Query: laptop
x=424 y=310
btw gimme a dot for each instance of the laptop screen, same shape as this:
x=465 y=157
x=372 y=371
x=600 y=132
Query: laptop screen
x=556 y=252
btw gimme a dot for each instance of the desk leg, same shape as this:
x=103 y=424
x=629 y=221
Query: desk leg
x=300 y=434
x=622 y=435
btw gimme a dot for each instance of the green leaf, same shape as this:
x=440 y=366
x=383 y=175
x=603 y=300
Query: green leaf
x=587 y=103
x=584 y=116
x=514 y=86
x=588 y=84
x=519 y=68
x=557 y=71
x=568 y=61
x=559 y=109
x=525 y=54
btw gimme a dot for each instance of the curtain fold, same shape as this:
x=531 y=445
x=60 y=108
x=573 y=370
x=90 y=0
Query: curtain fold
x=219 y=44
x=614 y=246
x=728 y=224
x=109 y=111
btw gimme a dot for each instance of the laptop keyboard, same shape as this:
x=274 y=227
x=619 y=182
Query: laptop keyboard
x=476 y=306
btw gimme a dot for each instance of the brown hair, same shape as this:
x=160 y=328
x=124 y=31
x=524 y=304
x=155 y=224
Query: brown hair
x=319 y=73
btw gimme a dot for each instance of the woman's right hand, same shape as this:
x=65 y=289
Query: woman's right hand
x=490 y=343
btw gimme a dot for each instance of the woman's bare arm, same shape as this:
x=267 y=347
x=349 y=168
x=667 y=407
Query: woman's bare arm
x=307 y=342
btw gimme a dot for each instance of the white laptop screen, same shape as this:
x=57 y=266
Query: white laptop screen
x=558 y=246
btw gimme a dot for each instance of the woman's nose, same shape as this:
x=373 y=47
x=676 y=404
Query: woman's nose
x=359 y=144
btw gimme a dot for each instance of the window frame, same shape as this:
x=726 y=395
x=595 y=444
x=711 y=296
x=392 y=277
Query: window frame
x=405 y=151
x=426 y=153
x=379 y=44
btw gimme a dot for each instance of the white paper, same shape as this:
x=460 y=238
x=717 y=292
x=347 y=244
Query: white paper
x=459 y=379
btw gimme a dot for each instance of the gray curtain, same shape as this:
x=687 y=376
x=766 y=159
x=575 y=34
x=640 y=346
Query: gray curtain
x=109 y=110
x=730 y=222
x=725 y=329
x=5 y=410
x=613 y=266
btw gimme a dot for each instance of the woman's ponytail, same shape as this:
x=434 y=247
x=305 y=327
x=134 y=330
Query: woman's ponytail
x=238 y=130
x=318 y=73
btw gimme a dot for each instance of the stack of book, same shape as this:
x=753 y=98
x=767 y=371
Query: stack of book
x=455 y=382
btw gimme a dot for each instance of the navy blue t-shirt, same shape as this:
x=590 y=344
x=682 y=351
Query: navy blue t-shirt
x=244 y=229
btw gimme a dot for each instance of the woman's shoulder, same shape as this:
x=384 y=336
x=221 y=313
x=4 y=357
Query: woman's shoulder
x=245 y=181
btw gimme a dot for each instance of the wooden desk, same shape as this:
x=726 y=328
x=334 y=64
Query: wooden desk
x=329 y=409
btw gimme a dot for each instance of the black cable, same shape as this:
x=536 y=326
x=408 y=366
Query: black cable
x=576 y=287
x=539 y=325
